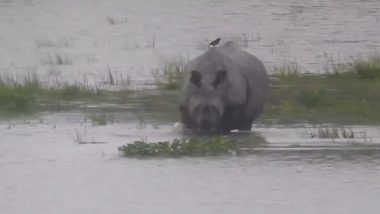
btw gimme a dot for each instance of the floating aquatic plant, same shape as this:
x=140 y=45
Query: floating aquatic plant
x=207 y=146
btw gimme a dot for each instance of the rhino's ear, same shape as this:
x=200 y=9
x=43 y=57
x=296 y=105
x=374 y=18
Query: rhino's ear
x=220 y=77
x=196 y=78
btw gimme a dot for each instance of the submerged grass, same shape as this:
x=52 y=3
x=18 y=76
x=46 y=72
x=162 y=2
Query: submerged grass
x=330 y=132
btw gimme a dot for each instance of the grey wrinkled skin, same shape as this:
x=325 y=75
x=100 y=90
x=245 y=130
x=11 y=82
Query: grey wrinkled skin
x=223 y=89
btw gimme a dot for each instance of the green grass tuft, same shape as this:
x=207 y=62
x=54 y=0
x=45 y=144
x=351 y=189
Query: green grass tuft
x=170 y=77
x=287 y=72
x=363 y=68
x=367 y=68
x=18 y=97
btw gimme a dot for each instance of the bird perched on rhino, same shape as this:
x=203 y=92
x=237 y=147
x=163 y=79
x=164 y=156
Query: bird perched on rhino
x=224 y=89
x=215 y=42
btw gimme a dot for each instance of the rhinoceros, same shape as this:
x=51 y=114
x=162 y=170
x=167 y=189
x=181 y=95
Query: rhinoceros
x=223 y=89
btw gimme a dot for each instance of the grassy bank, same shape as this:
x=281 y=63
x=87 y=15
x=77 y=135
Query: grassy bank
x=344 y=94
x=32 y=95
x=323 y=99
x=348 y=93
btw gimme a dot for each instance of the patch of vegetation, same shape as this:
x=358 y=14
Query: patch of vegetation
x=312 y=98
x=70 y=92
x=331 y=132
x=287 y=72
x=345 y=95
x=170 y=77
x=234 y=144
x=367 y=69
x=18 y=97
x=209 y=146
x=101 y=119
x=114 y=77
x=30 y=94
x=364 y=68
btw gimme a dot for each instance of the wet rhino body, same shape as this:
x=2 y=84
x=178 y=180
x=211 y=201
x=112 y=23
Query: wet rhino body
x=224 y=89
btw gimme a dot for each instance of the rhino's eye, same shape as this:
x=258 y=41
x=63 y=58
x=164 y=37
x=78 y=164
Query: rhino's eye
x=220 y=77
x=195 y=78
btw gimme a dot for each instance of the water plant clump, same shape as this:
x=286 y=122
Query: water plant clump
x=331 y=132
x=207 y=146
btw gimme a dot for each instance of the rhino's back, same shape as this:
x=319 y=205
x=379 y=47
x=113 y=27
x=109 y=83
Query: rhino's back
x=254 y=73
x=248 y=63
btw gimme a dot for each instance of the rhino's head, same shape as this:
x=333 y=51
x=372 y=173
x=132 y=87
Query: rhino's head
x=207 y=100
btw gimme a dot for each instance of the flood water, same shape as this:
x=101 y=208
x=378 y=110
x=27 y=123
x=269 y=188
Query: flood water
x=132 y=38
x=43 y=169
x=263 y=183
